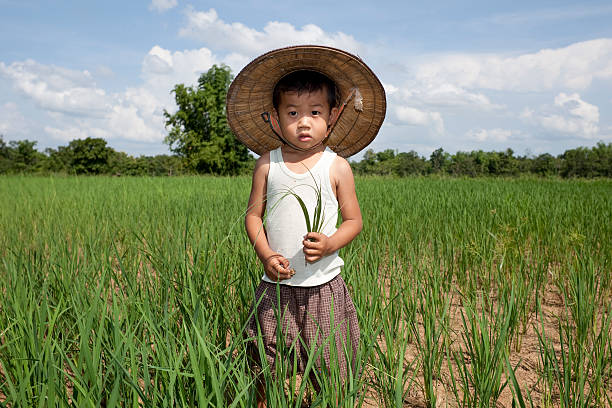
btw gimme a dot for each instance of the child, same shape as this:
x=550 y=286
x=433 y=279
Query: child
x=289 y=106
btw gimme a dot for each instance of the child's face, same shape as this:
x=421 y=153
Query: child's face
x=304 y=118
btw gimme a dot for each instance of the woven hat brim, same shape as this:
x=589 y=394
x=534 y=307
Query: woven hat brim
x=250 y=95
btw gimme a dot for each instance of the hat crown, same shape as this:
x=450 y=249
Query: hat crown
x=250 y=95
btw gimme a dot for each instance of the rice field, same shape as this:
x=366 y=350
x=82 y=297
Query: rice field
x=470 y=293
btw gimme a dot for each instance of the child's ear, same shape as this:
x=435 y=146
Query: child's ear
x=333 y=116
x=275 y=122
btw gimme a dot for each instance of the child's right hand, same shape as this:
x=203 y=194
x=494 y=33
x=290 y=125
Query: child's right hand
x=277 y=268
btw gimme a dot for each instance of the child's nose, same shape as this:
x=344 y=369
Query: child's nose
x=304 y=121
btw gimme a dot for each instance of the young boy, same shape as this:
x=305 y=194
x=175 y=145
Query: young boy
x=286 y=106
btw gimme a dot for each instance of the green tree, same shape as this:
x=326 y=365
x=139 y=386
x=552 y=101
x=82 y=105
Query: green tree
x=462 y=164
x=89 y=156
x=508 y=163
x=24 y=157
x=544 y=165
x=439 y=160
x=58 y=160
x=602 y=159
x=409 y=164
x=385 y=155
x=199 y=132
x=576 y=163
x=5 y=156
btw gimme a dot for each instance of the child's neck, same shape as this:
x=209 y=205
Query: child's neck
x=301 y=161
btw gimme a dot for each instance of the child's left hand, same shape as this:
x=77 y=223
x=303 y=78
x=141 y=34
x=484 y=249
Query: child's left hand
x=316 y=246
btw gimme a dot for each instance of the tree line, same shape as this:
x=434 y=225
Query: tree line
x=92 y=156
x=579 y=162
x=83 y=156
x=202 y=143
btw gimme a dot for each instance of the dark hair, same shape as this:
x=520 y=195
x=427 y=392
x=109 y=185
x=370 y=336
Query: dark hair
x=306 y=81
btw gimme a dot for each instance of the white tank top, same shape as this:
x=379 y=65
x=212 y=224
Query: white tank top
x=285 y=222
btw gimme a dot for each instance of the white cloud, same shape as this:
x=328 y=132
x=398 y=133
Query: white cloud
x=104 y=71
x=573 y=67
x=206 y=26
x=162 y=5
x=569 y=115
x=162 y=68
x=390 y=89
x=490 y=135
x=577 y=107
x=66 y=134
x=460 y=88
x=12 y=122
x=443 y=95
x=157 y=61
x=56 y=88
x=412 y=116
x=78 y=108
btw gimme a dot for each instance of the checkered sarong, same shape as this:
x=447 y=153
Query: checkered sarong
x=306 y=315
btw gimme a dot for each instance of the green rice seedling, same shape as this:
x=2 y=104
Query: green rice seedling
x=29 y=353
x=317 y=219
x=514 y=297
x=564 y=372
x=433 y=309
x=318 y=213
x=581 y=295
x=393 y=375
x=517 y=392
x=600 y=367
x=336 y=390
x=103 y=279
x=480 y=367
x=581 y=369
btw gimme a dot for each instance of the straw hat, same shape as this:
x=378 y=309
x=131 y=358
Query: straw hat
x=249 y=99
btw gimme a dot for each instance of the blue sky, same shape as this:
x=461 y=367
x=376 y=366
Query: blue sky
x=532 y=76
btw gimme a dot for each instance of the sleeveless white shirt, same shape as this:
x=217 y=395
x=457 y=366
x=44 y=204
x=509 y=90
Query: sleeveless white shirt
x=285 y=223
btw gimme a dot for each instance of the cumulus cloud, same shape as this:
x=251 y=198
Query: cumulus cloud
x=57 y=89
x=66 y=134
x=207 y=27
x=104 y=71
x=459 y=87
x=491 y=135
x=78 y=108
x=572 y=67
x=162 y=68
x=412 y=116
x=162 y=5
x=11 y=121
x=569 y=115
x=441 y=95
x=390 y=89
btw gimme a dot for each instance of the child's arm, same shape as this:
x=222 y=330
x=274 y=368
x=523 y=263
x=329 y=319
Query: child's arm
x=318 y=245
x=275 y=265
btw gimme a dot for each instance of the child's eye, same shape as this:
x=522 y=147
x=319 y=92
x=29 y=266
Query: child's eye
x=293 y=114
x=316 y=113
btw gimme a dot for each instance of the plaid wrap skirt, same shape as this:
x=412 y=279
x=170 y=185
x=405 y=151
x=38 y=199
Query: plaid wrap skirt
x=307 y=321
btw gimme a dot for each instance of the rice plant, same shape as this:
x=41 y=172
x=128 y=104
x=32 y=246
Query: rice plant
x=135 y=291
x=481 y=361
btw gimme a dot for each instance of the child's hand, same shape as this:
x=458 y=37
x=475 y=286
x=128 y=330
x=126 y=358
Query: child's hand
x=316 y=246
x=277 y=268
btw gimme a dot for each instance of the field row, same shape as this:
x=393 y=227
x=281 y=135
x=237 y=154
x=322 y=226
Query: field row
x=469 y=292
